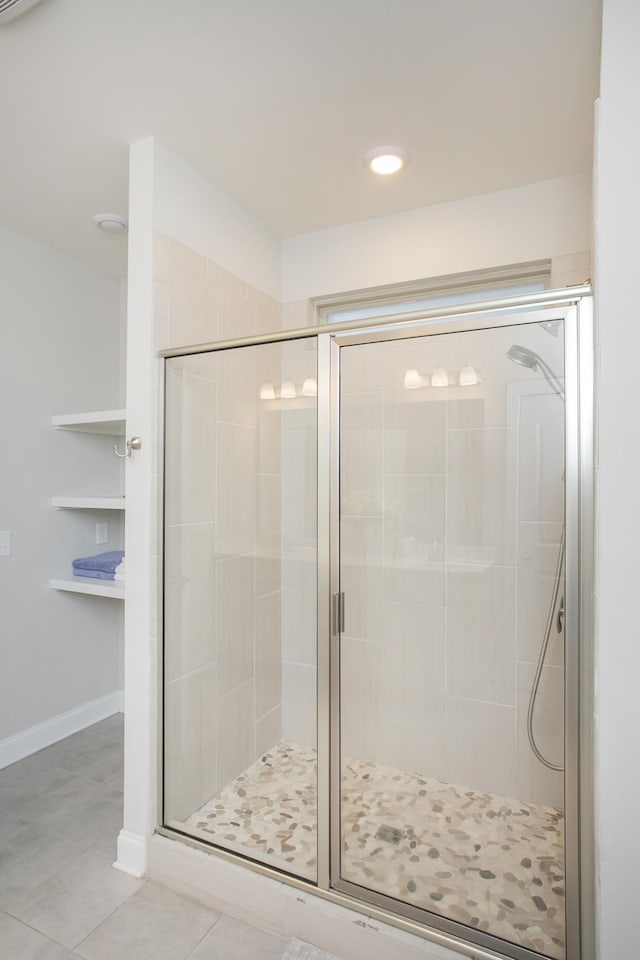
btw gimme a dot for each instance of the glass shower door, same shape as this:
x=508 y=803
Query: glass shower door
x=451 y=650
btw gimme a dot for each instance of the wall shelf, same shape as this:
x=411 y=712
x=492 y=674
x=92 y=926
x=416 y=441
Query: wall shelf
x=88 y=503
x=92 y=587
x=109 y=422
x=107 y=425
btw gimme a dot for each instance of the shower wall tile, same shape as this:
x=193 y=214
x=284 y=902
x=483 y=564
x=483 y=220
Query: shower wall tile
x=414 y=517
x=190 y=467
x=268 y=537
x=481 y=748
x=413 y=664
x=362 y=576
x=299 y=703
x=362 y=446
x=190 y=741
x=299 y=615
x=236 y=313
x=268 y=654
x=538 y=549
x=268 y=731
x=535 y=781
x=363 y=370
x=188 y=321
x=235 y=621
x=236 y=733
x=236 y=489
x=481 y=629
x=414 y=753
x=361 y=690
x=190 y=602
x=541 y=462
x=413 y=580
x=415 y=434
x=237 y=397
x=481 y=495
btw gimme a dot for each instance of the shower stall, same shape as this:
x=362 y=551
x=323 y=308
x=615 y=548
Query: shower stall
x=376 y=583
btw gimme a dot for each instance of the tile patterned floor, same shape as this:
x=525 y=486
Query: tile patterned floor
x=61 y=899
x=488 y=861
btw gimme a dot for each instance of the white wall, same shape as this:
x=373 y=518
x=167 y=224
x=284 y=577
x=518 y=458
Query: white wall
x=547 y=219
x=60 y=354
x=617 y=214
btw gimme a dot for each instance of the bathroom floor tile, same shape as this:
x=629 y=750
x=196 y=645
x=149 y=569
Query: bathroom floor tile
x=231 y=939
x=153 y=924
x=19 y=942
x=69 y=905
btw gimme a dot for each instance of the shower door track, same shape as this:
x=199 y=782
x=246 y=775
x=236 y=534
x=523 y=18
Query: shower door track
x=575 y=306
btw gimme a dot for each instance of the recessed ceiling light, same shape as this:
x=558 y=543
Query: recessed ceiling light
x=111 y=222
x=385 y=160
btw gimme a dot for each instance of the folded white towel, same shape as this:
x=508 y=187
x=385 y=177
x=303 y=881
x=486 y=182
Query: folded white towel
x=119 y=571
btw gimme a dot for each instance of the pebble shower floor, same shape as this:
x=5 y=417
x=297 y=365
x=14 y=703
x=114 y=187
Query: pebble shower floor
x=487 y=861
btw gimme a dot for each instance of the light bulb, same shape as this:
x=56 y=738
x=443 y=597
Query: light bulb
x=412 y=380
x=385 y=160
x=468 y=376
x=440 y=378
x=310 y=388
x=288 y=390
x=267 y=391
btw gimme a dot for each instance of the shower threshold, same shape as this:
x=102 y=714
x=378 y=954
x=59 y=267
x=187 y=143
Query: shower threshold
x=488 y=861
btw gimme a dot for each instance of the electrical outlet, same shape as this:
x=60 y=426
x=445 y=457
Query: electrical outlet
x=5 y=543
x=102 y=533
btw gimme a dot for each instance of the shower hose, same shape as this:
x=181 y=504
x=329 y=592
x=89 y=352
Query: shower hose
x=541 y=659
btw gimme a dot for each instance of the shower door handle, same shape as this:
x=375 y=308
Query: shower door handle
x=338 y=613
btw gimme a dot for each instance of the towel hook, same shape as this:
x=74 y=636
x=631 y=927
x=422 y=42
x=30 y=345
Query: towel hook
x=134 y=444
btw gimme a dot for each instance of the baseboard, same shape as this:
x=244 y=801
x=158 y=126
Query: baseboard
x=132 y=854
x=29 y=741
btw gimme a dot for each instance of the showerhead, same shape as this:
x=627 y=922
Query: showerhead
x=524 y=357
x=527 y=358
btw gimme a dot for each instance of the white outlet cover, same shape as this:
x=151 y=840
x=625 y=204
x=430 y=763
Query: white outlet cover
x=5 y=543
x=102 y=533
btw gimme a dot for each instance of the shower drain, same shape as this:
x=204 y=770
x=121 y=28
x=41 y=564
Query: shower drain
x=390 y=834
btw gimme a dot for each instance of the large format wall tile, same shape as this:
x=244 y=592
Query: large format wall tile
x=481 y=495
x=190 y=742
x=237 y=397
x=236 y=489
x=415 y=434
x=360 y=698
x=235 y=628
x=190 y=462
x=268 y=653
x=361 y=449
x=299 y=703
x=299 y=612
x=538 y=555
x=481 y=746
x=481 y=633
x=362 y=576
x=541 y=464
x=190 y=601
x=236 y=733
x=412 y=685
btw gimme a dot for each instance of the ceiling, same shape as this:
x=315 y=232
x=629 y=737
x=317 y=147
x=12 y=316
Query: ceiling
x=277 y=101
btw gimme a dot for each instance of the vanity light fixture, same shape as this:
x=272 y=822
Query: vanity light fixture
x=440 y=378
x=267 y=391
x=413 y=380
x=310 y=388
x=385 y=160
x=468 y=376
x=288 y=390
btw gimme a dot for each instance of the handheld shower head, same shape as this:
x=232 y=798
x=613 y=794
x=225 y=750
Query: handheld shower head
x=527 y=358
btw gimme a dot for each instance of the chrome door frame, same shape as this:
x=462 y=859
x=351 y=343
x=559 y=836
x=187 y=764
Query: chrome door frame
x=578 y=333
